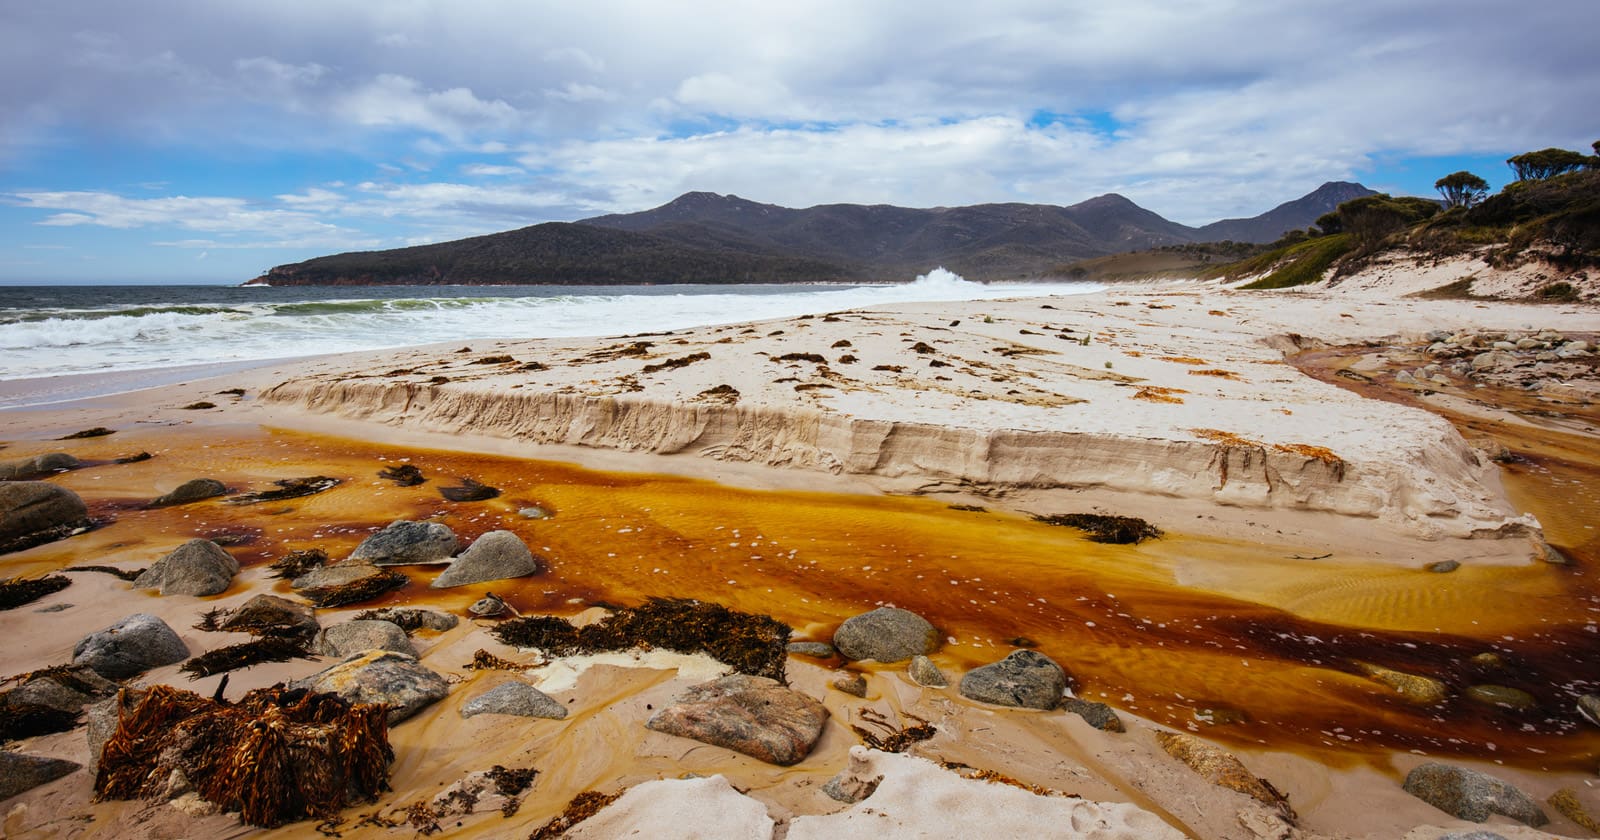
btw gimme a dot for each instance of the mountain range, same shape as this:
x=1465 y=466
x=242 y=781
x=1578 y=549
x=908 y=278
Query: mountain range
x=703 y=237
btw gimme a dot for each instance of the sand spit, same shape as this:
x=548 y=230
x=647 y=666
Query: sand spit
x=1171 y=392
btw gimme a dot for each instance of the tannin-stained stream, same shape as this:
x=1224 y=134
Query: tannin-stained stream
x=1269 y=665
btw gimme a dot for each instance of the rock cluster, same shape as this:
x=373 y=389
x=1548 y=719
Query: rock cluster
x=1480 y=355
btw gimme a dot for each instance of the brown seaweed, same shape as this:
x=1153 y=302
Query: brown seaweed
x=288 y=488
x=126 y=574
x=405 y=475
x=750 y=644
x=244 y=655
x=276 y=756
x=355 y=591
x=469 y=491
x=897 y=738
x=296 y=563
x=97 y=431
x=18 y=591
x=483 y=660
x=582 y=807
x=1117 y=530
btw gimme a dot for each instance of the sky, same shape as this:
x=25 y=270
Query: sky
x=207 y=141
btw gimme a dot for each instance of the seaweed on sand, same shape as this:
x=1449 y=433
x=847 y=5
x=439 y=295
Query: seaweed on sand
x=355 y=591
x=246 y=654
x=469 y=491
x=276 y=756
x=750 y=644
x=16 y=592
x=404 y=475
x=896 y=738
x=24 y=720
x=288 y=488
x=1118 y=530
x=126 y=574
x=582 y=807
x=296 y=563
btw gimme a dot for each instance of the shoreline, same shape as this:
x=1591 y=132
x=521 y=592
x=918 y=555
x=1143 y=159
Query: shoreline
x=1208 y=553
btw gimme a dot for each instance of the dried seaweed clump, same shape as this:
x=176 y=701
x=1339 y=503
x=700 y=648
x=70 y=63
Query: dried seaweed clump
x=16 y=592
x=246 y=654
x=582 y=807
x=129 y=575
x=483 y=660
x=405 y=475
x=25 y=720
x=296 y=563
x=898 y=738
x=750 y=644
x=355 y=591
x=276 y=756
x=1117 y=530
x=288 y=488
x=469 y=491
x=97 y=431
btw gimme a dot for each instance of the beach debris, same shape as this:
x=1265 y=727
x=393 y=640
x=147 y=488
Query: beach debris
x=288 y=488
x=924 y=673
x=483 y=660
x=494 y=360
x=411 y=619
x=582 y=807
x=97 y=431
x=1025 y=679
x=298 y=563
x=750 y=644
x=20 y=772
x=244 y=655
x=37 y=512
x=819 y=650
x=497 y=789
x=394 y=680
x=1224 y=769
x=18 y=591
x=886 y=634
x=193 y=490
x=1470 y=795
x=1103 y=528
x=1503 y=697
x=1098 y=715
x=198 y=567
x=130 y=647
x=25 y=720
x=853 y=683
x=489 y=606
x=403 y=542
x=757 y=716
x=38 y=466
x=347 y=583
x=351 y=637
x=1442 y=566
x=497 y=555
x=200 y=406
x=720 y=393
x=405 y=475
x=469 y=491
x=133 y=459
x=263 y=615
x=1566 y=802
x=231 y=392
x=276 y=756
x=1423 y=691
x=672 y=364
x=515 y=698
x=897 y=738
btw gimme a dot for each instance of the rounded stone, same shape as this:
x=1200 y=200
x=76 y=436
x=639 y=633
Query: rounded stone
x=37 y=512
x=131 y=646
x=404 y=542
x=515 y=698
x=924 y=673
x=1026 y=679
x=497 y=555
x=1502 y=696
x=887 y=634
x=352 y=637
x=193 y=490
x=198 y=567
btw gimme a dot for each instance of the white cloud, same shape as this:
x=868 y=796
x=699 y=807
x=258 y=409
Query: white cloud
x=485 y=170
x=392 y=100
x=578 y=92
x=208 y=214
x=736 y=95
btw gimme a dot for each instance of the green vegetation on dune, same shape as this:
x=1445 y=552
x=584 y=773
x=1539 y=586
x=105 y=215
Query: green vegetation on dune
x=1292 y=265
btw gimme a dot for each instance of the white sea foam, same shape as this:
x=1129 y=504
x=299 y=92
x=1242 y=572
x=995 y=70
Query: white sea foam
x=52 y=342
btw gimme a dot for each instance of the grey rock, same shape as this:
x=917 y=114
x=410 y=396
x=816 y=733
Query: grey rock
x=1026 y=679
x=1405 y=377
x=404 y=542
x=338 y=574
x=924 y=672
x=416 y=617
x=270 y=611
x=753 y=715
x=1494 y=359
x=20 y=772
x=1573 y=350
x=131 y=646
x=1527 y=343
x=1471 y=795
x=37 y=466
x=1472 y=835
x=1504 y=345
x=1443 y=566
x=67 y=691
x=886 y=634
x=193 y=490
x=515 y=698
x=352 y=637
x=381 y=676
x=497 y=555
x=1099 y=715
x=1589 y=707
x=1502 y=696
x=36 y=512
x=853 y=684
x=535 y=512
x=198 y=567
x=820 y=650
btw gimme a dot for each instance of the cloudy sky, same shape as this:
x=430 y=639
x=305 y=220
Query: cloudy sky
x=207 y=141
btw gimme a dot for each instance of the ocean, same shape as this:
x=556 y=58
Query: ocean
x=54 y=331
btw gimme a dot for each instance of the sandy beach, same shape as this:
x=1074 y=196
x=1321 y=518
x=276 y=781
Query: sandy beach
x=816 y=468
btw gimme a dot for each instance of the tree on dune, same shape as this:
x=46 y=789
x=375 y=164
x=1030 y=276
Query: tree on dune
x=1546 y=163
x=1461 y=189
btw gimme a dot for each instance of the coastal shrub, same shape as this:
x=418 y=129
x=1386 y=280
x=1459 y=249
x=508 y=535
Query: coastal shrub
x=1297 y=265
x=750 y=644
x=1561 y=291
